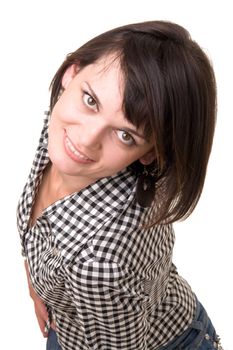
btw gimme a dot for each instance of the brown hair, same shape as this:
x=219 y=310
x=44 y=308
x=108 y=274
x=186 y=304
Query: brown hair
x=170 y=90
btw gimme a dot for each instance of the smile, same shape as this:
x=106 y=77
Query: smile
x=74 y=153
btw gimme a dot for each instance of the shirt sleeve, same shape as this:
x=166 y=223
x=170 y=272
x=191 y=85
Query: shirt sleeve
x=23 y=254
x=110 y=305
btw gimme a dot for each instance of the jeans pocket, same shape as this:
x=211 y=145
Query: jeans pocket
x=200 y=335
x=210 y=342
x=189 y=340
x=201 y=339
x=193 y=339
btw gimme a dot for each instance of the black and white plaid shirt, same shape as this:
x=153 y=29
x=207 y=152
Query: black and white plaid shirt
x=108 y=283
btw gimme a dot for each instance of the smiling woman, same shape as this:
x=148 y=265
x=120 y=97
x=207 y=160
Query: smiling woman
x=122 y=155
x=93 y=128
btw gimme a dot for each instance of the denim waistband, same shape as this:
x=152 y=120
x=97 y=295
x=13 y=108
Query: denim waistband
x=199 y=331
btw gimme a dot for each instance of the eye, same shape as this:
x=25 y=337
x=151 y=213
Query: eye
x=125 y=137
x=89 y=101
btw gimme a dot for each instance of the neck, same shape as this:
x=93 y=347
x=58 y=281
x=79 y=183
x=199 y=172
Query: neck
x=60 y=185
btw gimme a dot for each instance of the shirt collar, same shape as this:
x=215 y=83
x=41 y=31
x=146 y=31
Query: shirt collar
x=89 y=208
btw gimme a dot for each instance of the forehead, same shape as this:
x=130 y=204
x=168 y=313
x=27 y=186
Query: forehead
x=107 y=63
x=106 y=79
x=106 y=69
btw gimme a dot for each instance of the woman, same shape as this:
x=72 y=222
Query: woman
x=122 y=155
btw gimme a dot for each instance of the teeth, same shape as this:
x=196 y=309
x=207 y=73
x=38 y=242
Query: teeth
x=73 y=150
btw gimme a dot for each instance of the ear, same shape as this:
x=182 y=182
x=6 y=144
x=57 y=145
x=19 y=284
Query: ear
x=69 y=74
x=148 y=158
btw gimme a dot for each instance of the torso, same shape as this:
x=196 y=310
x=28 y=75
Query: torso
x=49 y=191
x=99 y=226
x=45 y=197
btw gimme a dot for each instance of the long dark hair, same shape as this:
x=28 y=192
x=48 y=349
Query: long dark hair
x=170 y=90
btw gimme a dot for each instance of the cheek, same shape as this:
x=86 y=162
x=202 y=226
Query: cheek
x=118 y=159
x=62 y=111
x=52 y=130
x=57 y=107
x=55 y=136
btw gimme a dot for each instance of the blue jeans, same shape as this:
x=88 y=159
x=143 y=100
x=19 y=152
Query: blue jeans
x=52 y=343
x=200 y=335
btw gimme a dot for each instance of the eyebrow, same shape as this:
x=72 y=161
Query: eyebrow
x=132 y=131
x=93 y=94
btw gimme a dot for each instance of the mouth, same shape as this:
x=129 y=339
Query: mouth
x=74 y=153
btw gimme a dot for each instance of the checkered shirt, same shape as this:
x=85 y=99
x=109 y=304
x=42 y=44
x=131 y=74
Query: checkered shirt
x=109 y=283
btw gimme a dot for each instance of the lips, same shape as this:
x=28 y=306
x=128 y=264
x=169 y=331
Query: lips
x=74 y=153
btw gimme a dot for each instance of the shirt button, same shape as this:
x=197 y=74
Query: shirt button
x=55 y=252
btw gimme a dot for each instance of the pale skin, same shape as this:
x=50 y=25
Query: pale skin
x=89 y=138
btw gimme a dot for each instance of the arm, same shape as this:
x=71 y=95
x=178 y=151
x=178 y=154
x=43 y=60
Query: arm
x=40 y=308
x=110 y=305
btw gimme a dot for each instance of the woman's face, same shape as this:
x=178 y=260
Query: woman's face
x=89 y=136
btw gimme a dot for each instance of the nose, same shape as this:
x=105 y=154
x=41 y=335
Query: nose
x=91 y=134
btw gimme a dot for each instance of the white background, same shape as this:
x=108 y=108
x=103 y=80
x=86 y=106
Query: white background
x=35 y=36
